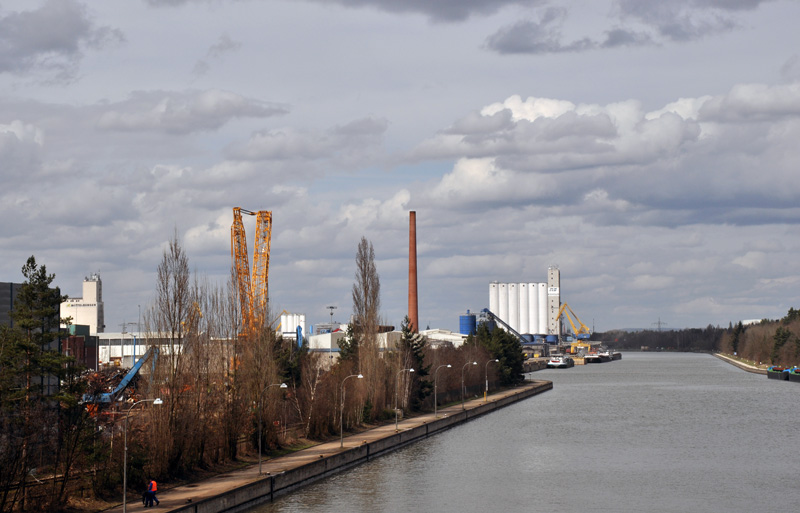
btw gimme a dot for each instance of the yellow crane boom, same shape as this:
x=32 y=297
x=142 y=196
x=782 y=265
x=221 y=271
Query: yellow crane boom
x=583 y=330
x=252 y=286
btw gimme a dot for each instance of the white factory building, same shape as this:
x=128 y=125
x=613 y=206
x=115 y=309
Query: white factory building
x=529 y=307
x=88 y=309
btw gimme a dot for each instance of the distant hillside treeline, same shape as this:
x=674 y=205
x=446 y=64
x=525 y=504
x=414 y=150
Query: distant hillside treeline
x=770 y=341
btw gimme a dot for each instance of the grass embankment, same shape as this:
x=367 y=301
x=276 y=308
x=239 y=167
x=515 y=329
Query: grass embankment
x=745 y=361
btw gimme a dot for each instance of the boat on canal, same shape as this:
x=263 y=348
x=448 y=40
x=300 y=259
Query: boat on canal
x=560 y=362
x=777 y=372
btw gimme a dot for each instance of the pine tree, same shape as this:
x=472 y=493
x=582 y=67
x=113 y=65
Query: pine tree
x=413 y=345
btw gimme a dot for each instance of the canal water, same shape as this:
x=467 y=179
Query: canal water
x=653 y=432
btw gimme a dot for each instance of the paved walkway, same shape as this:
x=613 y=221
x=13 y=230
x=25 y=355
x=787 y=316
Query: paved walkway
x=741 y=365
x=179 y=496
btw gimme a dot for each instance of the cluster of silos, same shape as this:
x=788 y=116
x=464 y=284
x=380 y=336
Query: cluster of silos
x=523 y=306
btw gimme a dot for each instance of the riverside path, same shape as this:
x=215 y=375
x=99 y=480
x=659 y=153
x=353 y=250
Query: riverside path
x=243 y=488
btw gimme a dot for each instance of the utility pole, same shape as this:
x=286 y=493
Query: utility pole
x=330 y=347
x=659 y=324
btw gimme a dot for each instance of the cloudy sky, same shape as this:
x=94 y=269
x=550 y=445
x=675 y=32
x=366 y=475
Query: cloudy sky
x=648 y=149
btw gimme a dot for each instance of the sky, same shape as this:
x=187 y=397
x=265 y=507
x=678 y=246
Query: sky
x=649 y=150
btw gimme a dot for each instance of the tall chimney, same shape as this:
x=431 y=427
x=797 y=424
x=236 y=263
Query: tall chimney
x=413 y=305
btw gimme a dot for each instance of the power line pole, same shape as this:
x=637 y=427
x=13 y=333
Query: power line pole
x=659 y=324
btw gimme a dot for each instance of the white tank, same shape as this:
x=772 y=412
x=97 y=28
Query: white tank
x=502 y=310
x=524 y=318
x=513 y=306
x=494 y=297
x=542 y=287
x=533 y=308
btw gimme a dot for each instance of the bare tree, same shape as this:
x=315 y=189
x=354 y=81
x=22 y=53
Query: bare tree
x=366 y=323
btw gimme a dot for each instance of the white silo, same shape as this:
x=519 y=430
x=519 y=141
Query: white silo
x=502 y=310
x=513 y=306
x=542 y=288
x=524 y=318
x=533 y=308
x=494 y=297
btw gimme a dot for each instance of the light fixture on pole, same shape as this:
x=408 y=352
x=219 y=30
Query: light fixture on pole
x=341 y=410
x=125 y=456
x=436 y=387
x=486 y=369
x=260 y=407
x=462 y=382
x=397 y=382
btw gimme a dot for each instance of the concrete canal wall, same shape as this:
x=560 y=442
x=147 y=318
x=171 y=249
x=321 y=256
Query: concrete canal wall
x=271 y=486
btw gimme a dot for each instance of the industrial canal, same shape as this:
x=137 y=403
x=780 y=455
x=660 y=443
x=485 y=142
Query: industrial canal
x=656 y=432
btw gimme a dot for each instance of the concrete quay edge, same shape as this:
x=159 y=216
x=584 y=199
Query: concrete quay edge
x=743 y=366
x=242 y=489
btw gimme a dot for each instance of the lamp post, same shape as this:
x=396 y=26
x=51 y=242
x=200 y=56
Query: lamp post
x=486 y=369
x=397 y=382
x=436 y=387
x=125 y=456
x=260 y=406
x=341 y=410
x=462 y=382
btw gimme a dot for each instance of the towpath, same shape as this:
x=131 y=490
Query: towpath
x=742 y=365
x=175 y=498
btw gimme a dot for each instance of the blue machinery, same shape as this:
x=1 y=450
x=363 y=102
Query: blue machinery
x=111 y=397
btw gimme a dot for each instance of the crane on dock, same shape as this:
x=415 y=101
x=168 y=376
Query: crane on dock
x=252 y=285
x=581 y=333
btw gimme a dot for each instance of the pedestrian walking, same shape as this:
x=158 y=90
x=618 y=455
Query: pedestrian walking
x=152 y=488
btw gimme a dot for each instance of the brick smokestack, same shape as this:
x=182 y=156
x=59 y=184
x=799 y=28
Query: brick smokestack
x=413 y=304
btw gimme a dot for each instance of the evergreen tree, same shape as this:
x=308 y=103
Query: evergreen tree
x=504 y=347
x=413 y=344
x=39 y=389
x=348 y=347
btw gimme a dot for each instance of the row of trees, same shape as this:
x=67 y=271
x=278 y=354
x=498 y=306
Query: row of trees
x=774 y=342
x=218 y=382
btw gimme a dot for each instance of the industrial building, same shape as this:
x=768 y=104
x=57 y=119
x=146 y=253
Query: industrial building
x=88 y=309
x=8 y=294
x=529 y=308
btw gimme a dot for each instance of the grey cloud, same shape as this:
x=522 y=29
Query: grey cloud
x=790 y=71
x=476 y=123
x=685 y=20
x=536 y=37
x=20 y=149
x=620 y=37
x=216 y=52
x=435 y=10
x=182 y=113
x=50 y=38
x=348 y=141
x=754 y=102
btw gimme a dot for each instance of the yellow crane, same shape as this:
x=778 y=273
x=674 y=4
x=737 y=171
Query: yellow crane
x=581 y=333
x=252 y=286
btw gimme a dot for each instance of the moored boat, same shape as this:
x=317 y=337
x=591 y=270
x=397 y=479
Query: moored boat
x=777 y=372
x=560 y=362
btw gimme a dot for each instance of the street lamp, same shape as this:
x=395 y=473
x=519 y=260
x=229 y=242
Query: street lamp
x=436 y=387
x=486 y=392
x=462 y=382
x=397 y=382
x=260 y=406
x=125 y=456
x=341 y=410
